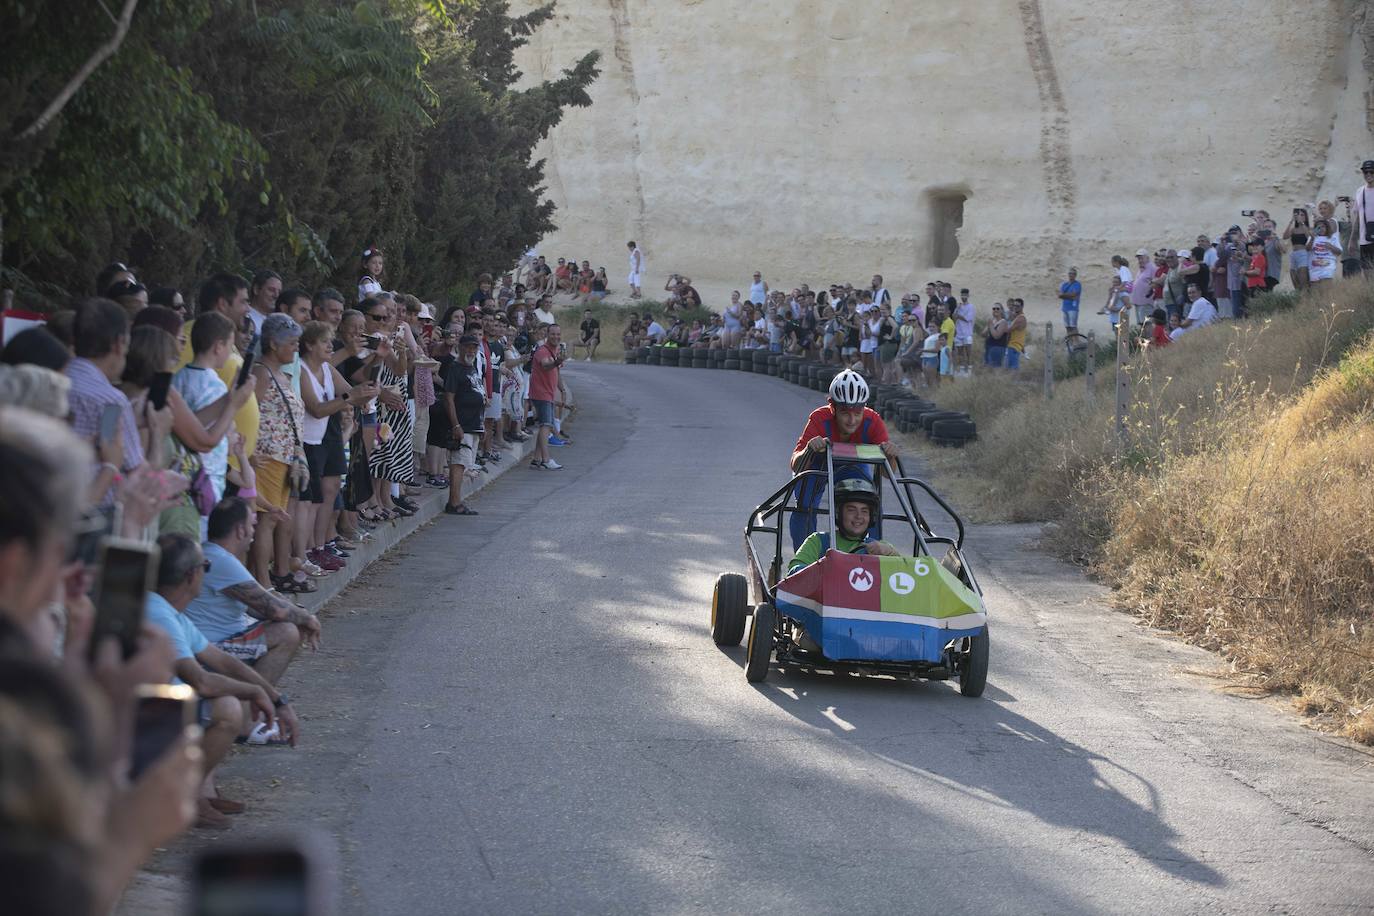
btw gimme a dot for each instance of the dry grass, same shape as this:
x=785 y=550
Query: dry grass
x=1236 y=509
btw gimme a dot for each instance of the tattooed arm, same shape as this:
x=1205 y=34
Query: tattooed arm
x=264 y=605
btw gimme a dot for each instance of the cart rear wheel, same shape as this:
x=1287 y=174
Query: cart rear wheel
x=760 y=654
x=729 y=607
x=973 y=676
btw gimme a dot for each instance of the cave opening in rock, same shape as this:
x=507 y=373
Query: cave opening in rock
x=946 y=218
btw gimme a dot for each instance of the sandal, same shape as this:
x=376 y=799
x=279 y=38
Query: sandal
x=371 y=516
x=288 y=585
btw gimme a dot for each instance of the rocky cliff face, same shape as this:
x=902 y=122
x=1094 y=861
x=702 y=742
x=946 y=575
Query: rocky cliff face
x=988 y=142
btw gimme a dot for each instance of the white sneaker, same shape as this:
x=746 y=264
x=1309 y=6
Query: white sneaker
x=262 y=734
x=553 y=465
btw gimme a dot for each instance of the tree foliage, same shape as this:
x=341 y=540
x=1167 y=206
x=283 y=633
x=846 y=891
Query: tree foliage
x=286 y=133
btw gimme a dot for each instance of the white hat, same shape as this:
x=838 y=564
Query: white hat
x=1184 y=253
x=426 y=314
x=1142 y=253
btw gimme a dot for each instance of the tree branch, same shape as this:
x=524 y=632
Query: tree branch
x=102 y=53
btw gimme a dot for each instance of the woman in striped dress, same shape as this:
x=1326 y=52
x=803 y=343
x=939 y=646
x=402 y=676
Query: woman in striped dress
x=391 y=463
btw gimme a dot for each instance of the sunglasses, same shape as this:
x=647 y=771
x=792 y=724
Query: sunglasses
x=372 y=317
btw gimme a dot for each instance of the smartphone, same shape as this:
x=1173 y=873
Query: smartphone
x=92 y=528
x=246 y=370
x=161 y=714
x=109 y=422
x=285 y=877
x=128 y=571
x=1247 y=213
x=374 y=373
x=157 y=390
x=372 y=341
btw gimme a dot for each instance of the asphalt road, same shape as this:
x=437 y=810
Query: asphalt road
x=524 y=712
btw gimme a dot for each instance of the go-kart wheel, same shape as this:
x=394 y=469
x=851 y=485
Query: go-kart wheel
x=729 y=607
x=760 y=653
x=973 y=674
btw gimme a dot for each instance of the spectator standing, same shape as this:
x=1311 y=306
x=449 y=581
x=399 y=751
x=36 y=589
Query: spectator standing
x=373 y=264
x=546 y=363
x=964 y=315
x=262 y=296
x=1070 y=298
x=636 y=269
x=279 y=459
x=1256 y=273
x=227 y=294
x=458 y=414
x=758 y=289
x=1273 y=254
x=101 y=331
x=1233 y=253
x=1296 y=234
x=390 y=461
x=1016 y=332
x=1141 y=300
x=1325 y=249
x=995 y=343
x=1362 y=217
x=1174 y=288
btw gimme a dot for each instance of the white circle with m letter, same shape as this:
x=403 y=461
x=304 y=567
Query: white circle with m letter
x=860 y=579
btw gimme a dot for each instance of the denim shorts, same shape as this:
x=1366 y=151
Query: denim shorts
x=994 y=356
x=1013 y=358
x=543 y=412
x=1070 y=318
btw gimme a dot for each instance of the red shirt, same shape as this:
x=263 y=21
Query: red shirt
x=543 y=382
x=1261 y=263
x=815 y=426
x=1160 y=336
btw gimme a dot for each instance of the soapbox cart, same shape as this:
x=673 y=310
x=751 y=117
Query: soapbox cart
x=916 y=616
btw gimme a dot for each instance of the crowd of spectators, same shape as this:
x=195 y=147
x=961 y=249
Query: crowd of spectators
x=247 y=443
x=920 y=341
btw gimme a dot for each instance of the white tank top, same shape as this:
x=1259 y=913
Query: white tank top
x=756 y=293
x=312 y=429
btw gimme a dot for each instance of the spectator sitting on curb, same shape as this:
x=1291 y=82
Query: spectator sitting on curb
x=240 y=616
x=224 y=683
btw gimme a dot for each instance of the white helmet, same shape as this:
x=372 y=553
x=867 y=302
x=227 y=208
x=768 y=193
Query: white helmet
x=849 y=388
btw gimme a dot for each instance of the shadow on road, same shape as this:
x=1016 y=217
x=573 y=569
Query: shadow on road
x=991 y=754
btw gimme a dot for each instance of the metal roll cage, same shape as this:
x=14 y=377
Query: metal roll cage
x=779 y=505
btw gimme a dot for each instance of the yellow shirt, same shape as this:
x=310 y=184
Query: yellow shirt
x=246 y=420
x=947 y=329
x=1017 y=340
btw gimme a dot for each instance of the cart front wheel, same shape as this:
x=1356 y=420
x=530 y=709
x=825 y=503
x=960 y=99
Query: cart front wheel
x=973 y=673
x=760 y=654
x=729 y=607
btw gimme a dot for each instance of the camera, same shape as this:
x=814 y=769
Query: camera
x=1249 y=213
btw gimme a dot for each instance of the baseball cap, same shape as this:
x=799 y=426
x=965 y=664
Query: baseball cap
x=1184 y=253
x=1367 y=165
x=426 y=314
x=467 y=340
x=1142 y=253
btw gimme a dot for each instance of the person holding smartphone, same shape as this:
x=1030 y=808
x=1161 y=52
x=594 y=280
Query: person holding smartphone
x=548 y=359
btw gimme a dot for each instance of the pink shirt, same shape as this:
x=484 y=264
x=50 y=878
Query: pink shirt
x=543 y=382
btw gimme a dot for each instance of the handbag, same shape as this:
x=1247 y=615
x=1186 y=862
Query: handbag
x=298 y=478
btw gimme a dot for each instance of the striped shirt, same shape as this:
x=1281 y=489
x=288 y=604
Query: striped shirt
x=91 y=391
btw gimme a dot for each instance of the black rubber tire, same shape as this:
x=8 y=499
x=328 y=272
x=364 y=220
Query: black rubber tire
x=631 y=358
x=729 y=608
x=730 y=364
x=652 y=361
x=950 y=443
x=773 y=370
x=701 y=364
x=716 y=356
x=759 y=655
x=904 y=426
x=892 y=410
x=644 y=353
x=928 y=419
x=953 y=429
x=974 y=676
x=669 y=356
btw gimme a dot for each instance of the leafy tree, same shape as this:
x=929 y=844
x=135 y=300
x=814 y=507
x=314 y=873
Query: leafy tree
x=289 y=133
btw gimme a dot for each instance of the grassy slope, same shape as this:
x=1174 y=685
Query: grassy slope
x=1236 y=512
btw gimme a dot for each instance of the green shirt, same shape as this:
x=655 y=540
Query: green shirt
x=810 y=549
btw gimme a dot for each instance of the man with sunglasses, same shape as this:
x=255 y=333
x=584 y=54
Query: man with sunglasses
x=843 y=418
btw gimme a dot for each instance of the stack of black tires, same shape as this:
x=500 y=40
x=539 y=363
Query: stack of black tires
x=910 y=413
